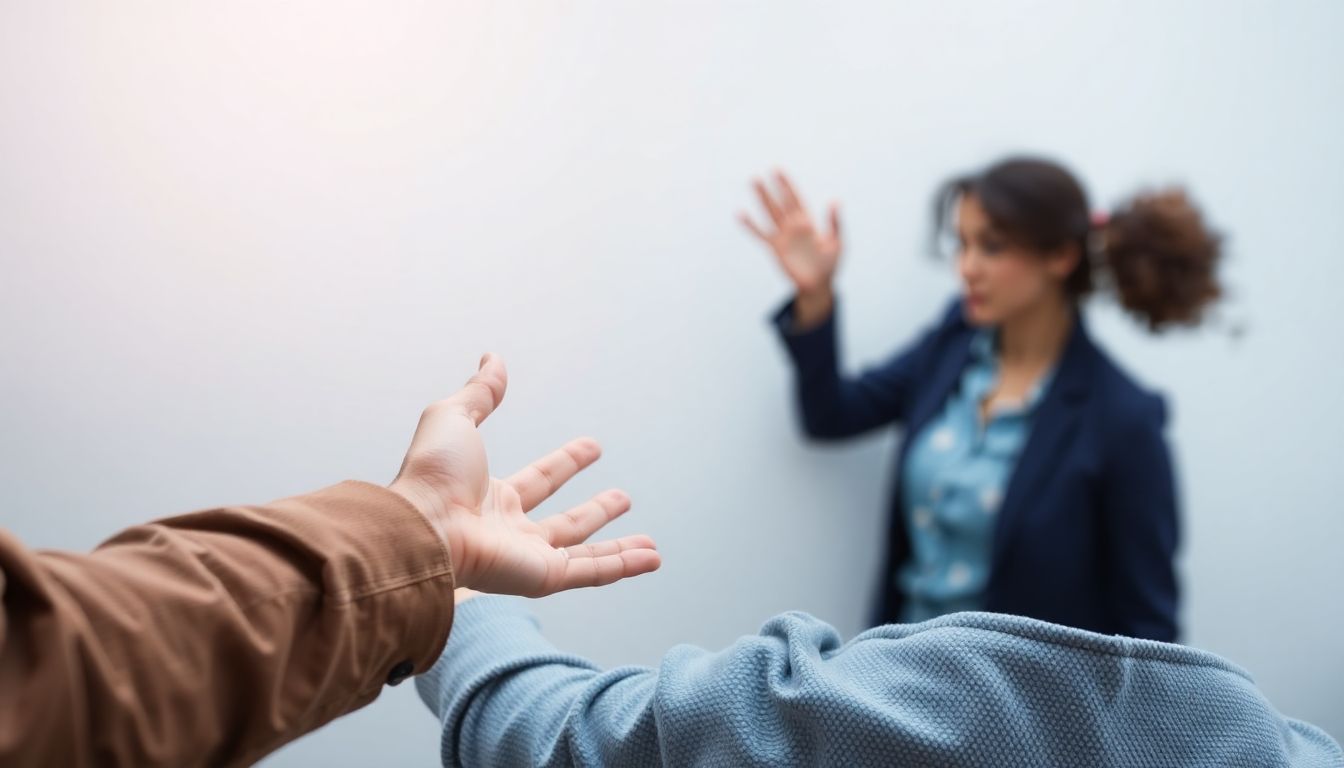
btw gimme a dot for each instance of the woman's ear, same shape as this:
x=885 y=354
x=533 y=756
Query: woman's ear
x=1062 y=261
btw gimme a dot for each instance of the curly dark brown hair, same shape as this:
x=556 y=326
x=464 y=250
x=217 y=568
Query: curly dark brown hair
x=1162 y=258
x=1155 y=250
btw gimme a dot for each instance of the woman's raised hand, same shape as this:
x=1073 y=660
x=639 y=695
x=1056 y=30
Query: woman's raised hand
x=808 y=255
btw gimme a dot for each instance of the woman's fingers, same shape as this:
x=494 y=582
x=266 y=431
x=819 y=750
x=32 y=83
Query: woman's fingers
x=755 y=230
x=771 y=207
x=792 y=202
x=537 y=481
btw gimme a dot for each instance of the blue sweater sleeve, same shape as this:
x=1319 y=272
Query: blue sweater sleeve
x=966 y=689
x=833 y=405
x=507 y=697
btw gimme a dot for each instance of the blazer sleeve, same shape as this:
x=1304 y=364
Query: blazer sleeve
x=1140 y=526
x=833 y=405
x=215 y=637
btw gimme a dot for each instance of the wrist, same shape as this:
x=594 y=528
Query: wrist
x=431 y=507
x=812 y=307
x=463 y=594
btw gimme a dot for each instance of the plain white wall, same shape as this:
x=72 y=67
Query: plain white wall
x=242 y=244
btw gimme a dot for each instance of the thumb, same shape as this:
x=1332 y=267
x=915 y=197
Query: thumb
x=484 y=391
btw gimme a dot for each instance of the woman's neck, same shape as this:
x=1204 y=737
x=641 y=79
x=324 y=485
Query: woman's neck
x=1036 y=337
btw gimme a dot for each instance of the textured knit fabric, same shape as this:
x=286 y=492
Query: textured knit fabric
x=969 y=689
x=955 y=474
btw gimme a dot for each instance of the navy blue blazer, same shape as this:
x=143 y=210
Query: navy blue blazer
x=1087 y=531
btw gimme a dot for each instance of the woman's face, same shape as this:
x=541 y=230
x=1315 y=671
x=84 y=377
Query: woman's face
x=1000 y=278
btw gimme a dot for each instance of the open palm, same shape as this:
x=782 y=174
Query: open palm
x=495 y=546
x=808 y=255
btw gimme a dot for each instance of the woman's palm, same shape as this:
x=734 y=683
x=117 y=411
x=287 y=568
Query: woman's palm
x=808 y=255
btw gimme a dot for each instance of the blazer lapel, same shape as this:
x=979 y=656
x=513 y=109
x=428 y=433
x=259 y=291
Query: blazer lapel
x=941 y=382
x=1053 y=425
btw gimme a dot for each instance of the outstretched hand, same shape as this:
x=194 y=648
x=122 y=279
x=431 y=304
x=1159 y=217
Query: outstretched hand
x=808 y=254
x=495 y=546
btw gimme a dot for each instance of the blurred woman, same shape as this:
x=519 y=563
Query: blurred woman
x=1033 y=477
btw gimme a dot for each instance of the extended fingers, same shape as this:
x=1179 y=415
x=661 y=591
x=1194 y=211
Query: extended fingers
x=575 y=525
x=537 y=481
x=605 y=562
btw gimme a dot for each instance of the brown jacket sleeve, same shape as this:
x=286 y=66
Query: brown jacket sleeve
x=216 y=637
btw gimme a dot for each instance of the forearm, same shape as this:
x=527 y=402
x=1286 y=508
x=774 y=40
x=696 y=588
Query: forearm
x=505 y=696
x=813 y=349
x=831 y=404
x=215 y=637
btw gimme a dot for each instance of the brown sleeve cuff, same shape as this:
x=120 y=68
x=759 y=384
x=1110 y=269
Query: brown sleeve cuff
x=384 y=548
x=372 y=544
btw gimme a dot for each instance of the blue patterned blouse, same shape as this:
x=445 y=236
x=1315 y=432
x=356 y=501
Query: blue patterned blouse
x=955 y=477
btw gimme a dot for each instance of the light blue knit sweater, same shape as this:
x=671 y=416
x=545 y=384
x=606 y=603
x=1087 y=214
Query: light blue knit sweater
x=969 y=689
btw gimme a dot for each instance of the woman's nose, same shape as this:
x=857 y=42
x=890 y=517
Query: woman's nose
x=967 y=265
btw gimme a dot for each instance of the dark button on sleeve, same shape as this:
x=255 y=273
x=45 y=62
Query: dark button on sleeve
x=400 y=672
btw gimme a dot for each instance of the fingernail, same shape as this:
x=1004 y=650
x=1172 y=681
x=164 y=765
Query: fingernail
x=484 y=359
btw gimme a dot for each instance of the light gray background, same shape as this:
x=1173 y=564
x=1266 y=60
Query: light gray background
x=242 y=244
